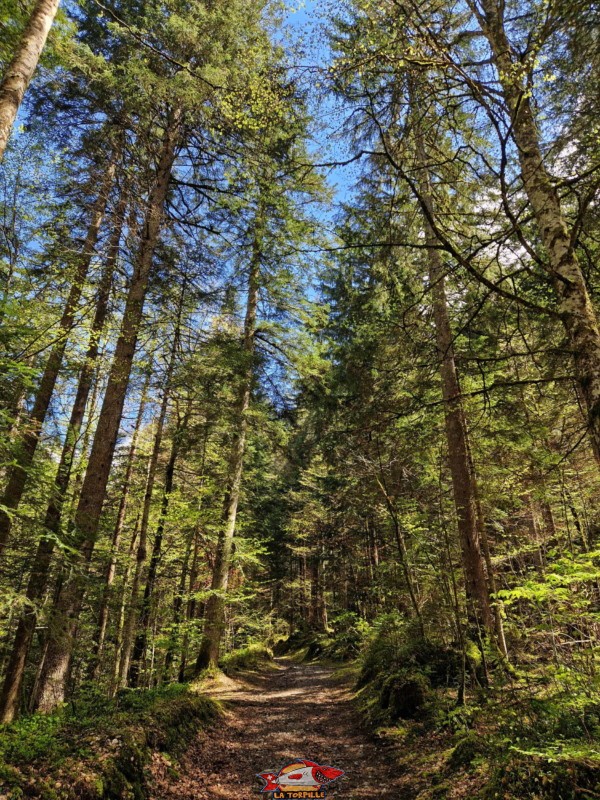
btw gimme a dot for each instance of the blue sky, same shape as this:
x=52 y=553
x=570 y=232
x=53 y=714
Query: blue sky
x=304 y=12
x=305 y=31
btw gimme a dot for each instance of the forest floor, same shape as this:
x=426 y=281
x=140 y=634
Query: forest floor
x=275 y=716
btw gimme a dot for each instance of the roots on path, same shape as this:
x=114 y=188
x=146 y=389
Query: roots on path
x=292 y=711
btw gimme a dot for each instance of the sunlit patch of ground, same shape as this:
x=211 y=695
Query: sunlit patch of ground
x=290 y=712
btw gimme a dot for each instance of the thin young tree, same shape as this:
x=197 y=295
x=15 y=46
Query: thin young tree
x=139 y=648
x=38 y=579
x=214 y=615
x=127 y=637
x=111 y=569
x=27 y=446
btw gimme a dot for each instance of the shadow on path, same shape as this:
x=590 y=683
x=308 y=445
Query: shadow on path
x=293 y=711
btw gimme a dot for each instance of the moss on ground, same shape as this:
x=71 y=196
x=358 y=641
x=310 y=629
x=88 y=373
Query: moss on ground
x=467 y=749
x=95 y=749
x=529 y=740
x=250 y=657
x=537 y=778
x=526 y=733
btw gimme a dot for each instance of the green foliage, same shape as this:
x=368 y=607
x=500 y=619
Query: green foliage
x=346 y=530
x=534 y=778
x=30 y=739
x=396 y=645
x=343 y=642
x=348 y=635
x=405 y=694
x=401 y=675
x=467 y=749
x=99 y=748
x=245 y=658
x=564 y=574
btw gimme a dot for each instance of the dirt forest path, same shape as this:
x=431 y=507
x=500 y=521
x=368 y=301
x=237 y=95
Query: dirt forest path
x=292 y=711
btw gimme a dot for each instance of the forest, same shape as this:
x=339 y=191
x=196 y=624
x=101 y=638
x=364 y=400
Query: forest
x=299 y=397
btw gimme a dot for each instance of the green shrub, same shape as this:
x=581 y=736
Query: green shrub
x=98 y=748
x=296 y=641
x=31 y=738
x=535 y=778
x=405 y=695
x=343 y=642
x=320 y=646
x=138 y=700
x=564 y=717
x=396 y=645
x=248 y=657
x=467 y=749
x=348 y=636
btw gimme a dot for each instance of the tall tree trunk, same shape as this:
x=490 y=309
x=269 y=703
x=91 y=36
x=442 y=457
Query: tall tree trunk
x=192 y=605
x=111 y=569
x=13 y=407
x=139 y=648
x=177 y=615
x=318 y=607
x=401 y=544
x=38 y=579
x=20 y=71
x=214 y=616
x=115 y=682
x=63 y=624
x=190 y=609
x=574 y=303
x=39 y=574
x=463 y=480
x=548 y=518
x=83 y=450
x=131 y=654
x=130 y=623
x=17 y=477
x=461 y=469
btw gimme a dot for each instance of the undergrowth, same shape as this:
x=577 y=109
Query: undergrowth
x=343 y=641
x=250 y=657
x=526 y=736
x=97 y=748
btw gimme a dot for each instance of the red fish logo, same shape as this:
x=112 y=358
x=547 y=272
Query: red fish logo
x=301 y=778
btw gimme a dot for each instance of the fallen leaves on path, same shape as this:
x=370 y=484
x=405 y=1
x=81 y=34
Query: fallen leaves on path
x=294 y=711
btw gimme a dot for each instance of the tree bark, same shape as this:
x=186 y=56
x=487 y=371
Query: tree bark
x=17 y=477
x=51 y=689
x=20 y=71
x=214 y=617
x=192 y=606
x=318 y=608
x=177 y=615
x=574 y=303
x=463 y=487
x=9 y=700
x=129 y=668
